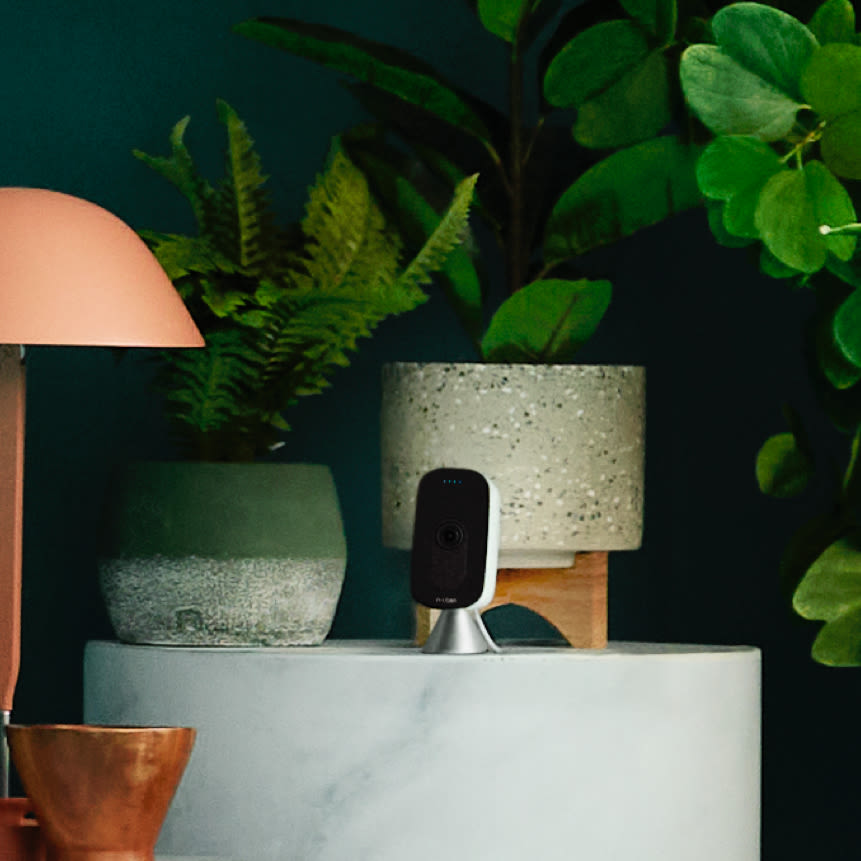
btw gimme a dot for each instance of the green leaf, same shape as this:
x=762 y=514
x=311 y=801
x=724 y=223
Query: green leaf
x=732 y=100
x=838 y=370
x=792 y=206
x=831 y=81
x=546 y=321
x=807 y=543
x=774 y=268
x=446 y=236
x=715 y=214
x=782 y=468
x=395 y=71
x=841 y=145
x=179 y=169
x=833 y=21
x=847 y=328
x=239 y=210
x=832 y=584
x=735 y=168
x=731 y=164
x=633 y=109
x=739 y=215
x=658 y=17
x=838 y=643
x=592 y=61
x=770 y=43
x=502 y=17
x=628 y=190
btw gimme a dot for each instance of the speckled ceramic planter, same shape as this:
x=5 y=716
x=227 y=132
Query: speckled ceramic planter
x=563 y=443
x=222 y=554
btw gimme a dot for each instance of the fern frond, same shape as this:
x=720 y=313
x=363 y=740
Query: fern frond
x=207 y=387
x=180 y=170
x=180 y=255
x=239 y=218
x=446 y=236
x=335 y=224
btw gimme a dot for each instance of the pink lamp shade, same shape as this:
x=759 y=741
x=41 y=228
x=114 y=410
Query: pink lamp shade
x=70 y=273
x=73 y=273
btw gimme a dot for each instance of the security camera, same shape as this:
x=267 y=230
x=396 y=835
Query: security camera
x=455 y=546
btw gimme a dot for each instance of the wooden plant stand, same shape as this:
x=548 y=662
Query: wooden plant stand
x=573 y=600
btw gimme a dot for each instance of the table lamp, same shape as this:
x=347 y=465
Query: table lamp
x=71 y=273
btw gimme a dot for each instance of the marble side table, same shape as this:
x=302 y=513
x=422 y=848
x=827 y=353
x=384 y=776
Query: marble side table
x=373 y=751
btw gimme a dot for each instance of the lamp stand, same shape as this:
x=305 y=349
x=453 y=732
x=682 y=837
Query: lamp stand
x=12 y=403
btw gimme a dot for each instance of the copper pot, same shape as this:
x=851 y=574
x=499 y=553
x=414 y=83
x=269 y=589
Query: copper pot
x=100 y=793
x=20 y=838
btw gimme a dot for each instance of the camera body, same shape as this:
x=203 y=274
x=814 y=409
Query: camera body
x=455 y=540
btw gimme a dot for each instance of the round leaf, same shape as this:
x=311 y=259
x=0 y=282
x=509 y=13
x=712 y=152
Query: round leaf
x=838 y=370
x=831 y=81
x=730 y=99
x=832 y=584
x=733 y=163
x=782 y=468
x=771 y=266
x=770 y=43
x=633 y=109
x=715 y=214
x=792 y=206
x=834 y=21
x=546 y=321
x=841 y=145
x=847 y=328
x=502 y=17
x=831 y=205
x=659 y=17
x=739 y=216
x=838 y=643
x=592 y=61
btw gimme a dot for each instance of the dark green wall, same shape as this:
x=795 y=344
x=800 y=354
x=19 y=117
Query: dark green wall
x=85 y=81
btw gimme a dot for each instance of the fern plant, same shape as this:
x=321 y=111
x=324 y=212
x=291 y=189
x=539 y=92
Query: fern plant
x=280 y=307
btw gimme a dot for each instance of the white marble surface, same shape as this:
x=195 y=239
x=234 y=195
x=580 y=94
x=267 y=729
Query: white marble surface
x=372 y=751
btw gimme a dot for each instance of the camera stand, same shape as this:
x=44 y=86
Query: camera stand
x=459 y=632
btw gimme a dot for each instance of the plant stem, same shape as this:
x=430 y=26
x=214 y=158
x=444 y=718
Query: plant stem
x=516 y=263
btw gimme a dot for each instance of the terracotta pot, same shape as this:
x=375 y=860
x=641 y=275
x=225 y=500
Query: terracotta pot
x=100 y=793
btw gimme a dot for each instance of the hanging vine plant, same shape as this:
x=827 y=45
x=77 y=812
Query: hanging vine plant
x=783 y=99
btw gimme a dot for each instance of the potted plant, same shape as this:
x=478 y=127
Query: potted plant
x=584 y=156
x=550 y=191
x=783 y=100
x=220 y=549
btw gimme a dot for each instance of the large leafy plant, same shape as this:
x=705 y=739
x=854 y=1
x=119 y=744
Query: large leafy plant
x=784 y=101
x=549 y=191
x=280 y=308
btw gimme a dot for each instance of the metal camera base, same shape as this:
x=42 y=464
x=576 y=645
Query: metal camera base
x=459 y=632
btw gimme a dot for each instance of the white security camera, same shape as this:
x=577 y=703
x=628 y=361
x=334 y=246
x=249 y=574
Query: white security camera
x=455 y=554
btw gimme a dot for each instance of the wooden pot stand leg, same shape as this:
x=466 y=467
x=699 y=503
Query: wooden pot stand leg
x=573 y=600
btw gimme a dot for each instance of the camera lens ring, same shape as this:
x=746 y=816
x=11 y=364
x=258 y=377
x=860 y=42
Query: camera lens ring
x=450 y=534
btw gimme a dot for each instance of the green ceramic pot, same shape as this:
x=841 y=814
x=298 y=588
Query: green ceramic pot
x=222 y=554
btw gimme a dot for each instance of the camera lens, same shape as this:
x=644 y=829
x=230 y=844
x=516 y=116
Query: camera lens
x=449 y=535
